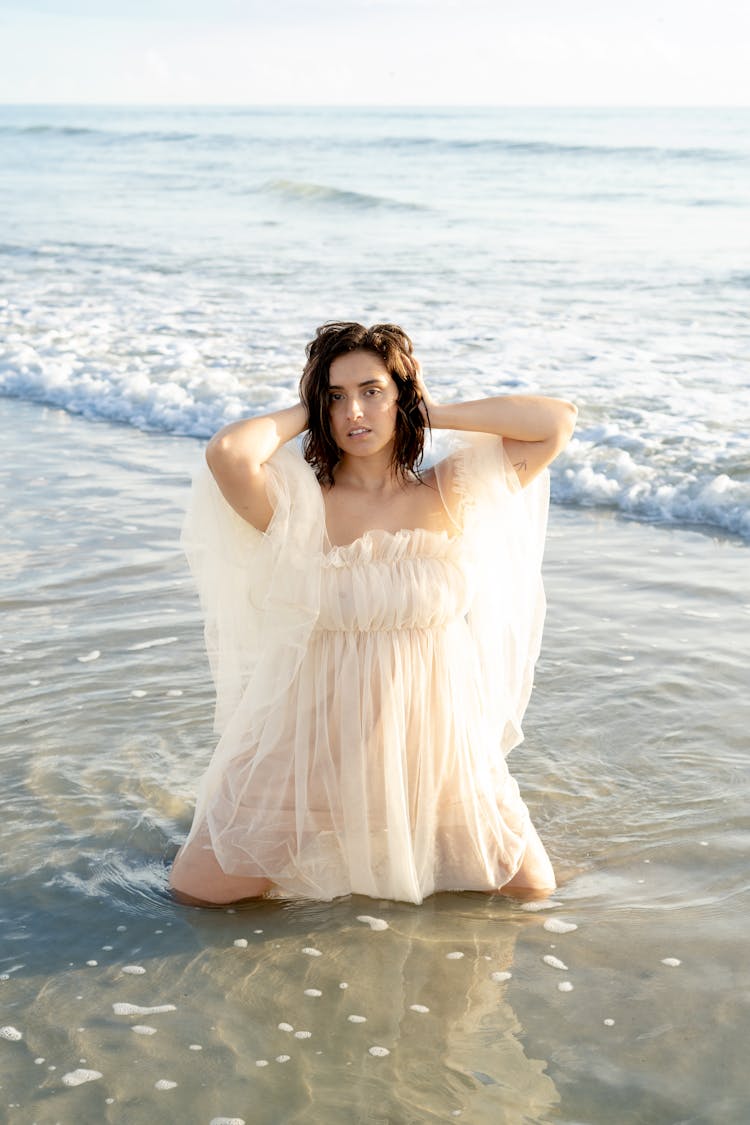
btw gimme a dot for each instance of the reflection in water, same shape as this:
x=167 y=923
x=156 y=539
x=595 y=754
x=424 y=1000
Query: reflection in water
x=250 y=1013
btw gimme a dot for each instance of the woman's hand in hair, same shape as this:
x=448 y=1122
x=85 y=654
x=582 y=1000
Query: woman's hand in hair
x=427 y=402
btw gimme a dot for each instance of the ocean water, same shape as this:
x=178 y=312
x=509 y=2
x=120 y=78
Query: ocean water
x=161 y=271
x=165 y=267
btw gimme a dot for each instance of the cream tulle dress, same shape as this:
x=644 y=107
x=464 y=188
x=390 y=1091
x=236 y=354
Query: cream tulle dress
x=366 y=695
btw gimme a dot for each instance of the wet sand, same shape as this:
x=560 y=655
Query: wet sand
x=635 y=768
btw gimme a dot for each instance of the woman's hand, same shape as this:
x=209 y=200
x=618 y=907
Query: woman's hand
x=426 y=401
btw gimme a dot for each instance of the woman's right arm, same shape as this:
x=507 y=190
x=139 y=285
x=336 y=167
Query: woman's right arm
x=237 y=458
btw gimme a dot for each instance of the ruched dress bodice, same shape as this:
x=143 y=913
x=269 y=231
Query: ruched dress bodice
x=410 y=579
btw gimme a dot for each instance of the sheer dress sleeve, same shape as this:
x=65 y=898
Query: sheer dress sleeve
x=504 y=526
x=259 y=591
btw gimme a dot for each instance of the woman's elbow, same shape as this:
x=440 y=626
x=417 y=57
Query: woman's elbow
x=567 y=421
x=218 y=449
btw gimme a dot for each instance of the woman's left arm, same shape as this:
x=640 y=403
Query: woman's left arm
x=534 y=428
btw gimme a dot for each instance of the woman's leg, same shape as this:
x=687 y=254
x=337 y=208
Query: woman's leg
x=197 y=879
x=535 y=877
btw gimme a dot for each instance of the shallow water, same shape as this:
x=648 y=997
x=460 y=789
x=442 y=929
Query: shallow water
x=634 y=767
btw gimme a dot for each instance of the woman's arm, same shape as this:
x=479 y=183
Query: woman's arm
x=237 y=458
x=534 y=428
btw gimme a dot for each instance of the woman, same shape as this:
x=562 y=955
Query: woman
x=372 y=630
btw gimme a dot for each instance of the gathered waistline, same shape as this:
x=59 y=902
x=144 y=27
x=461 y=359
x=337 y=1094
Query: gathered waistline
x=357 y=629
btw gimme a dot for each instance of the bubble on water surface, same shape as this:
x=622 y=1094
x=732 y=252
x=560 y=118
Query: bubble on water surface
x=303 y=1035
x=283 y=1058
x=554 y=962
x=312 y=952
x=240 y=942
x=78 y=1077
x=343 y=984
x=418 y=1008
x=313 y=992
x=379 y=1052
x=93 y=655
x=373 y=923
x=285 y=1027
x=357 y=1019
x=164 y=1084
x=673 y=962
x=137 y=1010
x=565 y=986
x=143 y=1029
x=195 y=1047
x=133 y=970
x=609 y=1023
x=11 y=1033
x=228 y=1120
x=501 y=976
x=455 y=956
x=557 y=926
x=542 y=904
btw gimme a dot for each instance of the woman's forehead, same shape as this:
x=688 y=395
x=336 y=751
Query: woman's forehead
x=356 y=368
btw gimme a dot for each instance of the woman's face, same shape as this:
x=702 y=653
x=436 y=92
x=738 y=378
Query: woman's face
x=363 y=400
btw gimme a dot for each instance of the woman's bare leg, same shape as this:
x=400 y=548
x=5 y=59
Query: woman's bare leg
x=196 y=879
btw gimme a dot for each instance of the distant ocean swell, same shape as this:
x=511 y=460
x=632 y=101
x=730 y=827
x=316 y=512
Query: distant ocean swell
x=478 y=145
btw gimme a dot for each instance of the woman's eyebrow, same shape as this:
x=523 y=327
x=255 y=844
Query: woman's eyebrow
x=367 y=383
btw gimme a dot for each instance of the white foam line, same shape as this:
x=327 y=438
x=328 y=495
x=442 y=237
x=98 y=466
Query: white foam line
x=150 y=644
x=93 y=655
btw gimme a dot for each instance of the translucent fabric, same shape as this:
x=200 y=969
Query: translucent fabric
x=366 y=694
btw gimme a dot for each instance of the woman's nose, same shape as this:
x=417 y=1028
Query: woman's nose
x=355 y=410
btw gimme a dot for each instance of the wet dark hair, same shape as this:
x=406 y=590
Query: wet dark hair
x=396 y=350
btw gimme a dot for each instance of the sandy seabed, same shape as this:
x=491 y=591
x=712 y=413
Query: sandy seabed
x=623 y=1000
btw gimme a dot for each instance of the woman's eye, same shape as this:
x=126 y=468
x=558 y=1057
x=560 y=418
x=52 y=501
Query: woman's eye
x=373 y=391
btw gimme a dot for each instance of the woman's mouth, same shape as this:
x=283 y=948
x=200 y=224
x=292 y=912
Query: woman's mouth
x=358 y=431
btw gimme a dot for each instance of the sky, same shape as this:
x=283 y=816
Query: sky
x=376 y=52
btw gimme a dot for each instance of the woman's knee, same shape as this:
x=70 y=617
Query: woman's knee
x=196 y=879
x=534 y=877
